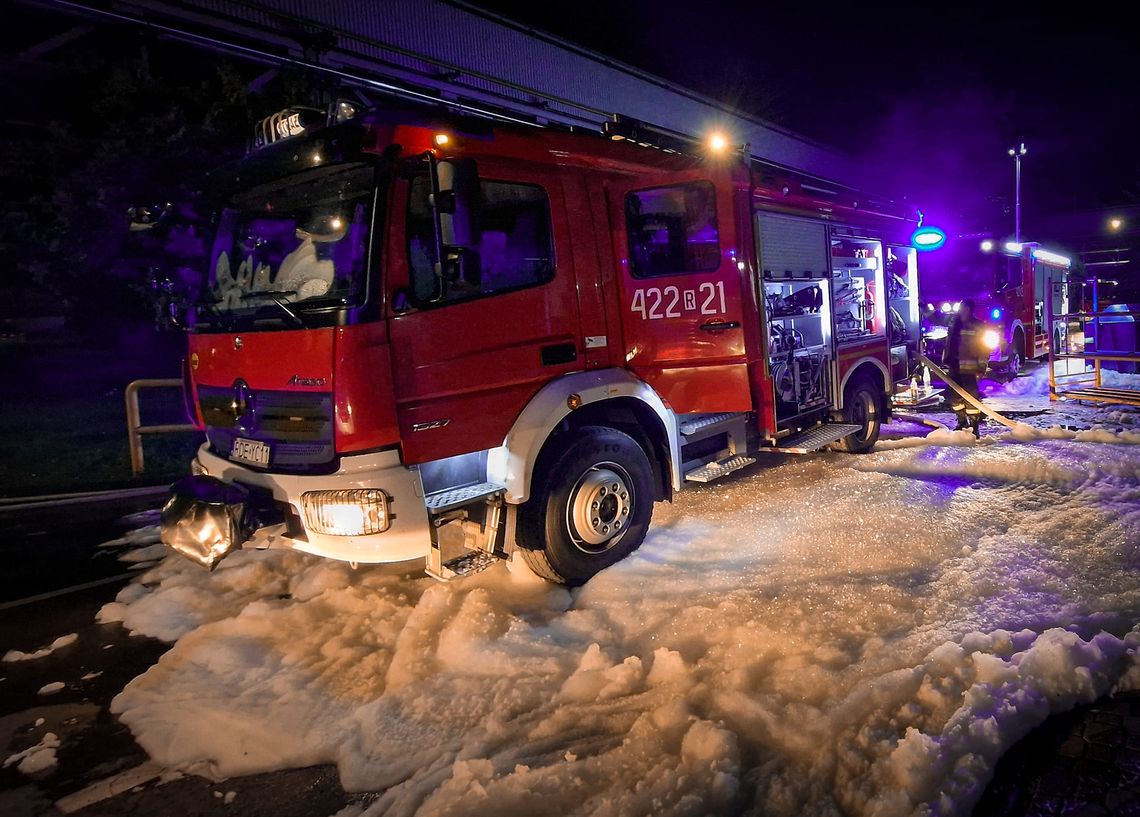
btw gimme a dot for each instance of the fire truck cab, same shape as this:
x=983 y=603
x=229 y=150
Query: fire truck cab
x=441 y=339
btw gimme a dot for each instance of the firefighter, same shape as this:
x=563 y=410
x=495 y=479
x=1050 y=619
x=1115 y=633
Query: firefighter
x=965 y=359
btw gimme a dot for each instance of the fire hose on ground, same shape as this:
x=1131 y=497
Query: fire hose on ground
x=943 y=375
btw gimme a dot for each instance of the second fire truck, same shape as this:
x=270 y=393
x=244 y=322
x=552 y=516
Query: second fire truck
x=1011 y=284
x=436 y=338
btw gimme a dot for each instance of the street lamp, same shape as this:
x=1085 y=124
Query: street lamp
x=1017 y=153
x=1115 y=223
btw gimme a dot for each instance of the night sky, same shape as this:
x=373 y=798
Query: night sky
x=933 y=94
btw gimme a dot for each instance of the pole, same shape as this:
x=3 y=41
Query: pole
x=1017 y=199
x=1017 y=153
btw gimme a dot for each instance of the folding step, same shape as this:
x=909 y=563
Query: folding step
x=700 y=422
x=813 y=439
x=452 y=498
x=468 y=564
x=719 y=468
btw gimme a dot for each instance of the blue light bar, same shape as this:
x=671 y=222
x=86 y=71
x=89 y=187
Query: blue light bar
x=927 y=238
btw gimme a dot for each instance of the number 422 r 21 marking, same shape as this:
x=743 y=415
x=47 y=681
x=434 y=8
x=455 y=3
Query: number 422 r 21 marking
x=655 y=303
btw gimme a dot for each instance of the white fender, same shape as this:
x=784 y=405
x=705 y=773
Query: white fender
x=859 y=362
x=512 y=463
x=1013 y=327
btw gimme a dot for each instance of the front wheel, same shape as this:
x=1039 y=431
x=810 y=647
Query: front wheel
x=590 y=506
x=861 y=408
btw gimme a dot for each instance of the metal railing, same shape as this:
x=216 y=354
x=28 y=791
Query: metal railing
x=1078 y=381
x=135 y=428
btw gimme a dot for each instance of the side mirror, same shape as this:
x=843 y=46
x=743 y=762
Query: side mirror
x=457 y=200
x=463 y=266
x=148 y=216
x=169 y=298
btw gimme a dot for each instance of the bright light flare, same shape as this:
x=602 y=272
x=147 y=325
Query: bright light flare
x=991 y=339
x=1115 y=224
x=718 y=142
x=1013 y=247
x=356 y=512
x=441 y=140
x=987 y=246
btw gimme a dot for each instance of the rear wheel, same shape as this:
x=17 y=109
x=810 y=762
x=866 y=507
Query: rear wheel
x=861 y=407
x=590 y=506
x=1014 y=367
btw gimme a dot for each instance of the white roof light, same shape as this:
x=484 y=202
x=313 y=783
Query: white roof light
x=1051 y=258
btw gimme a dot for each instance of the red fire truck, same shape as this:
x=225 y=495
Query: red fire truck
x=443 y=339
x=1008 y=282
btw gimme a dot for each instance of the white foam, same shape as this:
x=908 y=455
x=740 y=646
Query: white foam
x=835 y=634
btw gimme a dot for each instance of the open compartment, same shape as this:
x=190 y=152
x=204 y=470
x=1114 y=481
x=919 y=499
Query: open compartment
x=797 y=304
x=857 y=281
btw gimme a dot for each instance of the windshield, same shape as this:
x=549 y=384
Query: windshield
x=290 y=247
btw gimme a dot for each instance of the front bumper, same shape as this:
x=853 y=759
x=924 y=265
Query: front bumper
x=407 y=537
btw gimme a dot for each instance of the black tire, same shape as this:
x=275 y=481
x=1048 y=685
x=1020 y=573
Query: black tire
x=862 y=406
x=1013 y=368
x=561 y=538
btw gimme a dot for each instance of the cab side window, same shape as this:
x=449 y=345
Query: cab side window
x=673 y=230
x=512 y=246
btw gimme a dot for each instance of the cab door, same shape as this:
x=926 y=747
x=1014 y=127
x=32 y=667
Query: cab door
x=681 y=290
x=465 y=363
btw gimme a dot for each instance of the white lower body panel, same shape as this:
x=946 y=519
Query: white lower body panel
x=407 y=538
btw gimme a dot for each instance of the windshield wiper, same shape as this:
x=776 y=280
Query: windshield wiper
x=225 y=322
x=298 y=320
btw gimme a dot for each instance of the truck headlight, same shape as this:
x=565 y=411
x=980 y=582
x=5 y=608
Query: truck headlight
x=991 y=339
x=353 y=512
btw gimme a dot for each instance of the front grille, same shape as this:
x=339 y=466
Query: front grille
x=297 y=426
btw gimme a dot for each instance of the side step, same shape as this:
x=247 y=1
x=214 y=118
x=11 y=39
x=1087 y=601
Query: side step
x=813 y=439
x=446 y=507
x=452 y=498
x=470 y=563
x=719 y=468
x=695 y=423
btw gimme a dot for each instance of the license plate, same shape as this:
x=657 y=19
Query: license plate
x=251 y=451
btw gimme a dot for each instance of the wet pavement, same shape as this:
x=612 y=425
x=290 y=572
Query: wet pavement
x=1085 y=762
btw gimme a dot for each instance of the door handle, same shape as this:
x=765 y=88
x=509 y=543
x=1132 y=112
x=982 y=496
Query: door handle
x=719 y=326
x=558 y=354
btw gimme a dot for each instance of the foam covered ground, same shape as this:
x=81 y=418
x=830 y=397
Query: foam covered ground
x=827 y=635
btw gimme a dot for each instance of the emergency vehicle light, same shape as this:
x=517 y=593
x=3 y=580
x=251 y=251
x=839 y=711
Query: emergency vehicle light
x=1051 y=257
x=927 y=238
x=995 y=313
x=991 y=339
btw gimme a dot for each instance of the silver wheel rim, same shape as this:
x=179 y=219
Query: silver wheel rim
x=600 y=508
x=864 y=413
